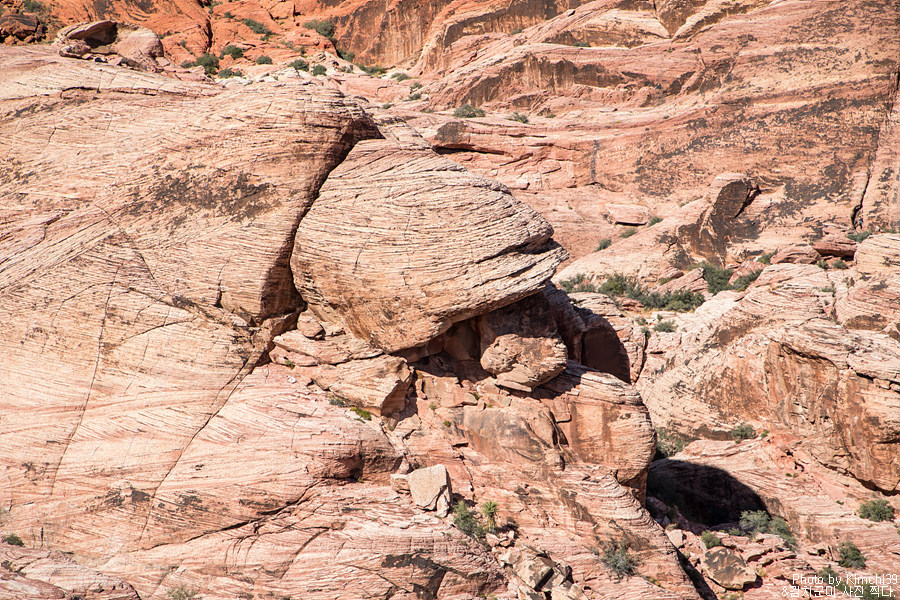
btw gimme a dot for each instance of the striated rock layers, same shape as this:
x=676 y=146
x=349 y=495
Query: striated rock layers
x=152 y=235
x=812 y=351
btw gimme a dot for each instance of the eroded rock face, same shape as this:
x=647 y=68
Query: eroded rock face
x=520 y=345
x=775 y=357
x=396 y=253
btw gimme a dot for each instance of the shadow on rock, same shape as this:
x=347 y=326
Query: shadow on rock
x=702 y=494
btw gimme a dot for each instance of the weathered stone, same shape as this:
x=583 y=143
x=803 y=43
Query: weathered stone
x=835 y=245
x=465 y=248
x=798 y=254
x=726 y=567
x=376 y=384
x=431 y=488
x=628 y=214
x=38 y=574
x=520 y=344
x=331 y=350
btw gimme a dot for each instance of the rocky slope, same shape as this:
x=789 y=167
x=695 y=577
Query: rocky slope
x=264 y=332
x=154 y=242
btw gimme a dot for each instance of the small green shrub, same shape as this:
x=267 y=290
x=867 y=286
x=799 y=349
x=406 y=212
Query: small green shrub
x=209 y=62
x=489 y=510
x=299 y=65
x=33 y=6
x=876 y=510
x=667 y=444
x=630 y=231
x=581 y=45
x=716 y=277
x=226 y=73
x=414 y=96
x=839 y=264
x=467 y=521
x=467 y=111
x=743 y=282
x=766 y=257
x=710 y=539
x=517 y=116
x=264 y=60
x=617 y=558
x=618 y=285
x=256 y=27
x=325 y=27
x=858 y=236
x=362 y=413
x=373 y=70
x=447 y=424
x=744 y=431
x=399 y=76
x=759 y=521
x=319 y=70
x=387 y=105
x=516 y=31
x=415 y=86
x=665 y=326
x=13 y=540
x=850 y=557
x=603 y=244
x=227 y=14
x=822 y=264
x=232 y=51
x=335 y=401
x=654 y=221
x=183 y=593
x=577 y=283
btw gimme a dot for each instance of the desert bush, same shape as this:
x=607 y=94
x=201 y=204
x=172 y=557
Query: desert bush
x=232 y=51
x=665 y=326
x=839 y=264
x=517 y=116
x=850 y=557
x=226 y=73
x=13 y=540
x=33 y=6
x=618 y=285
x=467 y=521
x=387 y=105
x=716 y=277
x=581 y=45
x=467 y=111
x=399 y=76
x=603 y=244
x=183 y=593
x=256 y=27
x=362 y=413
x=759 y=521
x=654 y=221
x=766 y=257
x=319 y=70
x=667 y=444
x=325 y=27
x=618 y=559
x=264 y=60
x=858 y=236
x=630 y=231
x=743 y=282
x=744 y=431
x=414 y=96
x=710 y=539
x=415 y=86
x=209 y=62
x=876 y=510
x=373 y=70
x=299 y=65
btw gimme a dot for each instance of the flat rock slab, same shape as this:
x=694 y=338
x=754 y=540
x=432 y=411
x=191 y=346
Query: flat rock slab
x=431 y=488
x=726 y=567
